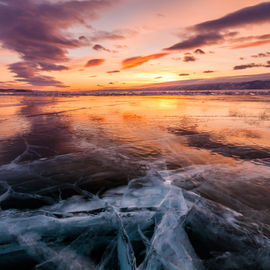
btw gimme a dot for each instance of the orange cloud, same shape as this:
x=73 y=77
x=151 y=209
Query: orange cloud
x=252 y=44
x=139 y=60
x=94 y=62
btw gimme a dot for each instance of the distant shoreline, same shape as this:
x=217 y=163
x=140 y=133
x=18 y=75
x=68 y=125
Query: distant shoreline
x=139 y=92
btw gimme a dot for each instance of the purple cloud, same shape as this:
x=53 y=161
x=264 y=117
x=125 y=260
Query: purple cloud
x=267 y=64
x=113 y=71
x=51 y=67
x=118 y=34
x=83 y=38
x=208 y=71
x=189 y=59
x=197 y=40
x=251 y=65
x=249 y=38
x=35 y=30
x=98 y=47
x=26 y=72
x=250 y=15
x=199 y=51
x=217 y=31
x=103 y=35
x=260 y=55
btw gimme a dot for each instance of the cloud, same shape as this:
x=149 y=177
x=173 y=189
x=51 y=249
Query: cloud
x=251 y=65
x=197 y=40
x=189 y=59
x=41 y=80
x=94 y=62
x=98 y=47
x=83 y=38
x=113 y=71
x=256 y=14
x=51 y=67
x=139 y=60
x=23 y=69
x=251 y=44
x=260 y=55
x=119 y=46
x=208 y=71
x=26 y=72
x=249 y=38
x=199 y=51
x=160 y=15
x=183 y=74
x=36 y=31
x=103 y=35
x=218 y=31
x=118 y=34
x=267 y=64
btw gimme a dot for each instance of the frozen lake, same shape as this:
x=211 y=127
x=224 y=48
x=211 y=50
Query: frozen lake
x=164 y=182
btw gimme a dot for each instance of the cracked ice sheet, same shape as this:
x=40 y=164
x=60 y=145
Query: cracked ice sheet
x=243 y=187
x=139 y=226
x=41 y=233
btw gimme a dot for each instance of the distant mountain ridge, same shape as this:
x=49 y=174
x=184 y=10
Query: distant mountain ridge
x=213 y=84
x=257 y=84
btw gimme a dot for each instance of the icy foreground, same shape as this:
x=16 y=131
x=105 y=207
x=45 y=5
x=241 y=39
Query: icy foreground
x=148 y=224
x=134 y=183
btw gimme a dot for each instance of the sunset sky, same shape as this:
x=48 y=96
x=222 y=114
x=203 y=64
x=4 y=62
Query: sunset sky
x=101 y=44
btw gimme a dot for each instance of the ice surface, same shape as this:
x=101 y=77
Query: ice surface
x=169 y=229
x=144 y=184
